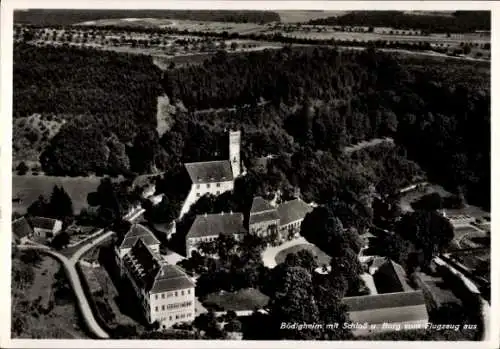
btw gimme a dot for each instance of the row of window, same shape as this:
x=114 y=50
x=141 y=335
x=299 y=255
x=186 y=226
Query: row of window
x=177 y=317
x=174 y=306
x=172 y=294
x=216 y=193
x=208 y=185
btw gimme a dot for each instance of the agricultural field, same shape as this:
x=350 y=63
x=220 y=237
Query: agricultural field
x=299 y=16
x=28 y=188
x=161 y=23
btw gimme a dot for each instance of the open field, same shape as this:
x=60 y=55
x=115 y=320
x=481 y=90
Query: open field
x=297 y=16
x=322 y=258
x=163 y=23
x=62 y=321
x=29 y=188
x=436 y=39
x=245 y=299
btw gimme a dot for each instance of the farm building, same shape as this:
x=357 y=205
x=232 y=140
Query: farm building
x=21 y=230
x=46 y=228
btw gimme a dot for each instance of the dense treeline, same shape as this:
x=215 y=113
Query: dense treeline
x=430 y=107
x=108 y=101
x=458 y=22
x=73 y=16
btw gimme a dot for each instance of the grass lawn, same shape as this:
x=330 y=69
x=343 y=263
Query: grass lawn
x=28 y=188
x=63 y=320
x=246 y=299
x=321 y=256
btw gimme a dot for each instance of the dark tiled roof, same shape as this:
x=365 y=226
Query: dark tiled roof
x=215 y=224
x=293 y=210
x=210 y=171
x=263 y=217
x=142 y=264
x=171 y=278
x=260 y=205
x=138 y=231
x=392 y=277
x=21 y=228
x=43 y=222
x=387 y=300
x=151 y=273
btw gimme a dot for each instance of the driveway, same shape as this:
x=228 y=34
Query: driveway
x=269 y=254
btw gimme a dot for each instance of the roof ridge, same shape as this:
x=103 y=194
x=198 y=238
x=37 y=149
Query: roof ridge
x=204 y=162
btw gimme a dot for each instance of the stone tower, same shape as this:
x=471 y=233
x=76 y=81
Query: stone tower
x=234 y=152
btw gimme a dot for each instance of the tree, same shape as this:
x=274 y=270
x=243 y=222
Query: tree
x=61 y=240
x=233 y=325
x=22 y=168
x=39 y=208
x=429 y=202
x=234 y=46
x=430 y=232
x=293 y=302
x=207 y=323
x=60 y=205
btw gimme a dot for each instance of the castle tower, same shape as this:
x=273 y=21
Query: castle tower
x=234 y=152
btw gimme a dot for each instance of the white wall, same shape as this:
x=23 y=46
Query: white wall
x=169 y=316
x=200 y=189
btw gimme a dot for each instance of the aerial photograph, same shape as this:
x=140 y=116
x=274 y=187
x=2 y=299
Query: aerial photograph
x=251 y=175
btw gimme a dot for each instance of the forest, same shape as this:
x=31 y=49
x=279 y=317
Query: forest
x=69 y=17
x=457 y=22
x=303 y=105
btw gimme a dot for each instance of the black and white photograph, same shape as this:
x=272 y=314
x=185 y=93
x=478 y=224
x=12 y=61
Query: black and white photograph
x=248 y=174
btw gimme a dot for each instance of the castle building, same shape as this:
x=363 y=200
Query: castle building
x=263 y=218
x=286 y=218
x=209 y=227
x=166 y=294
x=214 y=177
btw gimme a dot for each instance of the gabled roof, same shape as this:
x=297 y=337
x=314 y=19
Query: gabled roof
x=392 y=277
x=170 y=278
x=135 y=232
x=142 y=264
x=260 y=205
x=387 y=300
x=216 y=224
x=21 y=228
x=264 y=217
x=43 y=222
x=291 y=211
x=151 y=273
x=210 y=171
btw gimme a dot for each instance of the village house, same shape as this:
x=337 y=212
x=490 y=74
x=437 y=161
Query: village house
x=21 y=230
x=209 y=227
x=214 y=177
x=46 y=228
x=392 y=302
x=165 y=292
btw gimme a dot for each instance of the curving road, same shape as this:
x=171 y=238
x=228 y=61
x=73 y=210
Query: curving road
x=74 y=279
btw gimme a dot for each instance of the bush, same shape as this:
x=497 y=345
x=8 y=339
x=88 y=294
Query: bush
x=22 y=169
